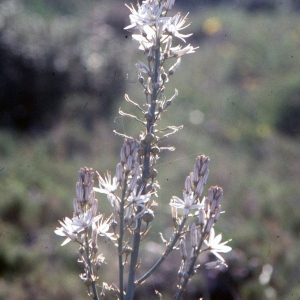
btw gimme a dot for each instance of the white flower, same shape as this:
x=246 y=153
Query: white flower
x=84 y=220
x=107 y=187
x=214 y=245
x=70 y=228
x=138 y=199
x=175 y=24
x=103 y=227
x=187 y=204
x=147 y=14
x=105 y=184
x=113 y=200
x=168 y=5
x=67 y=230
x=177 y=51
x=142 y=68
x=146 y=38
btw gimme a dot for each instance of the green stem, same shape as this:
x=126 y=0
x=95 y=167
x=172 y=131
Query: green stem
x=145 y=177
x=164 y=256
x=95 y=293
x=120 y=240
x=190 y=271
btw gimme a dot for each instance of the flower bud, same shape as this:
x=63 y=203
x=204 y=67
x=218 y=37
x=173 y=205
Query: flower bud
x=182 y=247
x=201 y=217
x=193 y=235
x=119 y=172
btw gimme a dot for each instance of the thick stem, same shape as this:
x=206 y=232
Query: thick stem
x=94 y=288
x=145 y=176
x=120 y=240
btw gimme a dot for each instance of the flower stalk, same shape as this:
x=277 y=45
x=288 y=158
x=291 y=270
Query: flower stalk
x=131 y=190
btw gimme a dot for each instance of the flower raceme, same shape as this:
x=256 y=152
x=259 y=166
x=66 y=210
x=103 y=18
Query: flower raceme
x=130 y=190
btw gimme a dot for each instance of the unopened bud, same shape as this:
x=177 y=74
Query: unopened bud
x=76 y=207
x=123 y=155
x=187 y=184
x=213 y=206
x=129 y=163
x=206 y=204
x=209 y=225
x=119 y=172
x=201 y=217
x=218 y=213
x=199 y=188
x=182 y=247
x=193 y=235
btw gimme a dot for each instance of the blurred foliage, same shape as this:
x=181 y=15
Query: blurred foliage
x=47 y=57
x=240 y=94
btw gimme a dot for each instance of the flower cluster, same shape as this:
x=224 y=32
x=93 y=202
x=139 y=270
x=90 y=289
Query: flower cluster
x=86 y=222
x=156 y=34
x=202 y=232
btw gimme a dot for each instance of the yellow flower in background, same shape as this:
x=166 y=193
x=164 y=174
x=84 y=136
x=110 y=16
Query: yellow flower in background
x=212 y=26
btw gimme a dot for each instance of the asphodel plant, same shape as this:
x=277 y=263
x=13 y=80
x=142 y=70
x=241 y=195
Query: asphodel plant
x=132 y=189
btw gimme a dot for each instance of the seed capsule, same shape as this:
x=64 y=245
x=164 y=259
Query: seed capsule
x=147 y=116
x=148 y=216
x=149 y=137
x=155 y=150
x=154 y=173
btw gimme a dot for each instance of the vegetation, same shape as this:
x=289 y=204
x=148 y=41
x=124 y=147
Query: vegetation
x=243 y=98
